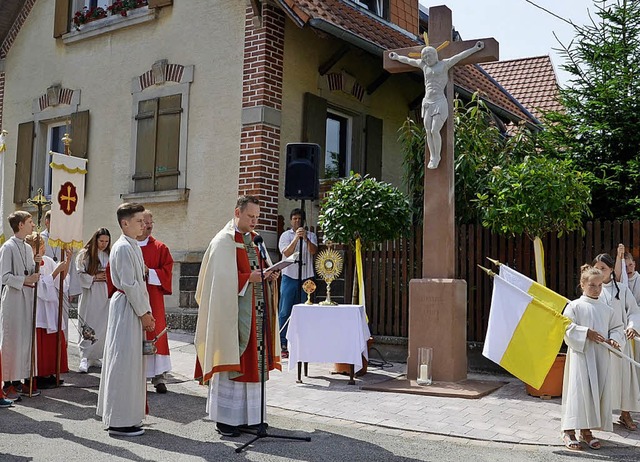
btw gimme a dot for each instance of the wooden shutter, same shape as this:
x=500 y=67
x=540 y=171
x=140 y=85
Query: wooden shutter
x=24 y=153
x=159 y=3
x=79 y=134
x=145 y=145
x=373 y=147
x=168 y=143
x=62 y=18
x=314 y=124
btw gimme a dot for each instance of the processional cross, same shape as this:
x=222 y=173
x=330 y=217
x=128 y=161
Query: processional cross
x=439 y=252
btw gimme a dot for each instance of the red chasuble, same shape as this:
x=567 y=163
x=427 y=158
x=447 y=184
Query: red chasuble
x=156 y=256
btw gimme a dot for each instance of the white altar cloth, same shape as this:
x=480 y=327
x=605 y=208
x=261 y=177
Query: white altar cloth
x=328 y=334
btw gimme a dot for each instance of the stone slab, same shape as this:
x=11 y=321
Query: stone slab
x=468 y=389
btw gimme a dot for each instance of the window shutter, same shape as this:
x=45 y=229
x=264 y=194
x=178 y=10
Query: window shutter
x=24 y=153
x=159 y=3
x=145 y=145
x=168 y=143
x=79 y=134
x=314 y=124
x=373 y=147
x=62 y=18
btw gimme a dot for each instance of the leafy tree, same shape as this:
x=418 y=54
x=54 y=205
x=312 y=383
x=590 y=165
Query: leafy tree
x=534 y=197
x=600 y=126
x=512 y=184
x=479 y=146
x=360 y=206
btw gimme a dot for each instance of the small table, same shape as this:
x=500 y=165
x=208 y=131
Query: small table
x=327 y=334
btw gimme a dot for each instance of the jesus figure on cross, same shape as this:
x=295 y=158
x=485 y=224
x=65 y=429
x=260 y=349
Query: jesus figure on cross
x=435 y=108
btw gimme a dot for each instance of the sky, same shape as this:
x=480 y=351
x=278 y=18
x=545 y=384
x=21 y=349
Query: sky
x=521 y=29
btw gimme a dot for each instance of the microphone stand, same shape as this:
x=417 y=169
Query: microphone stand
x=261 y=432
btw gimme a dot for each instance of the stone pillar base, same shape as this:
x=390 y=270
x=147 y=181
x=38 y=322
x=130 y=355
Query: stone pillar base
x=438 y=319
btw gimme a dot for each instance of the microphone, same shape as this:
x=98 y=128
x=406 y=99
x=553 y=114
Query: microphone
x=260 y=243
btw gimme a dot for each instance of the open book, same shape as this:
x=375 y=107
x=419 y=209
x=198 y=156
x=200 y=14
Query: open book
x=290 y=260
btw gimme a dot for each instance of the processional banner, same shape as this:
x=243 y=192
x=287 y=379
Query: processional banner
x=67 y=197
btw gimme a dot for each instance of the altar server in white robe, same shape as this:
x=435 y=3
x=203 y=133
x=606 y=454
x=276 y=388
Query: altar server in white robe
x=93 y=308
x=632 y=275
x=625 y=383
x=586 y=395
x=16 y=309
x=122 y=393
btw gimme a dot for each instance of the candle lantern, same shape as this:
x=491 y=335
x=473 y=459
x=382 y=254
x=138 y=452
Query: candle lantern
x=425 y=362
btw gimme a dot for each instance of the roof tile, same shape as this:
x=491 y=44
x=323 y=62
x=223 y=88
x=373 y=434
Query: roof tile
x=531 y=80
x=350 y=18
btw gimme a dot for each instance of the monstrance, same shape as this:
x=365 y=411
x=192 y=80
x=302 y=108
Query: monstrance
x=329 y=267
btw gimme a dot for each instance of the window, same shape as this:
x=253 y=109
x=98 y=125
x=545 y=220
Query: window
x=159 y=134
x=338 y=145
x=100 y=22
x=377 y=7
x=55 y=132
x=157 y=144
x=351 y=141
x=44 y=134
x=95 y=3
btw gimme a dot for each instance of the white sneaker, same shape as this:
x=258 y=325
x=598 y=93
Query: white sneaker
x=84 y=366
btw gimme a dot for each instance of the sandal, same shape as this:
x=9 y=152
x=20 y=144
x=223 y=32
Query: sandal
x=627 y=422
x=590 y=440
x=570 y=442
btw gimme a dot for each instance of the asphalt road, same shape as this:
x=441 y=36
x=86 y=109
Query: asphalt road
x=61 y=425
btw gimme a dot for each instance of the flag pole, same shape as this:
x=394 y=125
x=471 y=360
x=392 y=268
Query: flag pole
x=66 y=140
x=495 y=262
x=40 y=202
x=487 y=270
x=620 y=354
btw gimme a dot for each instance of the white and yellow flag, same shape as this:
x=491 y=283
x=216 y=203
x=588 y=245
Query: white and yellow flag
x=536 y=290
x=3 y=153
x=67 y=197
x=524 y=335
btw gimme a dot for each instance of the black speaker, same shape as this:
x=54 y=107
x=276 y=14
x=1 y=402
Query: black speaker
x=301 y=175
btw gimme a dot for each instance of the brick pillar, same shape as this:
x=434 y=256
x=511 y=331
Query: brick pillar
x=261 y=106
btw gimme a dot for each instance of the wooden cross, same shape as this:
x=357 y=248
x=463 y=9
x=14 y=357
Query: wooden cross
x=40 y=202
x=438 y=301
x=438 y=254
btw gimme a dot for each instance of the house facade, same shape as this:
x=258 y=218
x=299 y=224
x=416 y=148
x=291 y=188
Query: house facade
x=182 y=105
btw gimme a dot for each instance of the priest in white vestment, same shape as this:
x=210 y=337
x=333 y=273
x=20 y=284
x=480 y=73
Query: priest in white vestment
x=228 y=291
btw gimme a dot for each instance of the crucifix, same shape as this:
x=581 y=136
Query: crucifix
x=438 y=302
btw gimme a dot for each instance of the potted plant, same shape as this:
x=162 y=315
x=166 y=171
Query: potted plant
x=534 y=197
x=122 y=6
x=87 y=15
x=360 y=211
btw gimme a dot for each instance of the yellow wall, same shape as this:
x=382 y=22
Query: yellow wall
x=207 y=34
x=305 y=51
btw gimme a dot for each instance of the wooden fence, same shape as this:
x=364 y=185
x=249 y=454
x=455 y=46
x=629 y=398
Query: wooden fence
x=391 y=265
